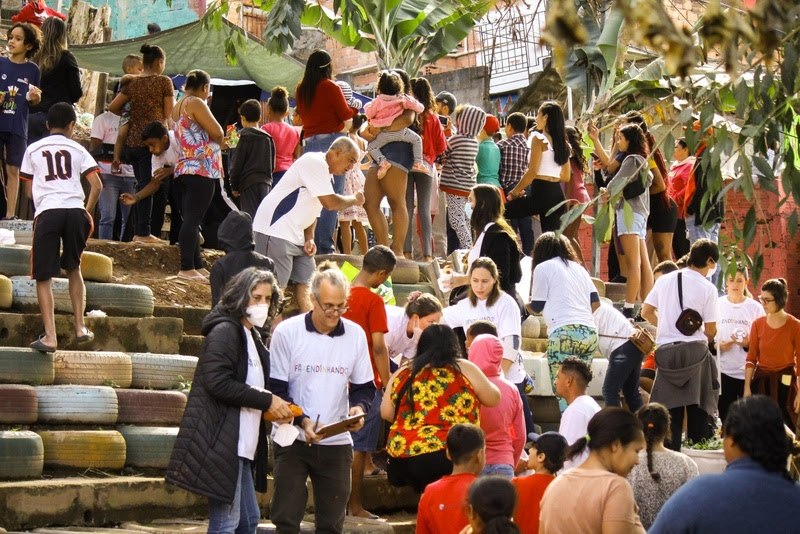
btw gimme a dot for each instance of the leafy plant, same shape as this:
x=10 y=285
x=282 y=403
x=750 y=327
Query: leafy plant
x=184 y=384
x=708 y=444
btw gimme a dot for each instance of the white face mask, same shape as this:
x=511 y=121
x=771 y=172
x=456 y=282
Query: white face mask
x=257 y=315
x=468 y=210
x=417 y=331
x=711 y=271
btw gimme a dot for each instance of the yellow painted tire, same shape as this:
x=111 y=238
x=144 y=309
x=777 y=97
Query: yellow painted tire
x=25 y=299
x=96 y=267
x=6 y=292
x=534 y=327
x=77 y=405
x=600 y=285
x=93 y=368
x=148 y=446
x=161 y=371
x=146 y=407
x=534 y=345
x=100 y=449
x=15 y=260
x=21 y=455
x=18 y=404
x=405 y=272
x=26 y=366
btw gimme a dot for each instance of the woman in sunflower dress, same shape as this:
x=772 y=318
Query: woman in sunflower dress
x=424 y=399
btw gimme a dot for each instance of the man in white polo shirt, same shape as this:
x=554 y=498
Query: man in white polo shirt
x=320 y=362
x=686 y=373
x=285 y=220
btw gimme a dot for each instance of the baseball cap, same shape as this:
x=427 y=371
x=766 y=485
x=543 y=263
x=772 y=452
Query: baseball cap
x=448 y=100
x=492 y=125
x=552 y=444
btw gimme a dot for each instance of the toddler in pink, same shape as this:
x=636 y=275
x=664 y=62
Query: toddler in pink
x=390 y=103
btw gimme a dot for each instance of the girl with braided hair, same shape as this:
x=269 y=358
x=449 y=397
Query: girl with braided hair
x=660 y=471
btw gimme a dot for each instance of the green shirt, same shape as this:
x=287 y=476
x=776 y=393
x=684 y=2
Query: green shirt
x=488 y=161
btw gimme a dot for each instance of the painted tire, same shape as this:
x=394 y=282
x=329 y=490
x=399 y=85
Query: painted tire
x=93 y=368
x=21 y=455
x=402 y=291
x=24 y=296
x=600 y=285
x=120 y=299
x=534 y=345
x=18 y=404
x=96 y=267
x=23 y=231
x=26 y=366
x=534 y=327
x=68 y=405
x=405 y=272
x=100 y=449
x=615 y=292
x=148 y=446
x=145 y=407
x=161 y=371
x=15 y=260
x=6 y=293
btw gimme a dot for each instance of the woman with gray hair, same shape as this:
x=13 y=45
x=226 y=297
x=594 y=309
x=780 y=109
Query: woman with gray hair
x=221 y=449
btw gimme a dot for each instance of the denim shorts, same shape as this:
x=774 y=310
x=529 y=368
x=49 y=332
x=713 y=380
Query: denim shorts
x=639 y=226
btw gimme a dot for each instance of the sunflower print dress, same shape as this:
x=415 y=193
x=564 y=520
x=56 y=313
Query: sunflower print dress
x=442 y=397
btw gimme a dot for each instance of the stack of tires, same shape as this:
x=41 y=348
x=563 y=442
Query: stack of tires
x=150 y=411
x=18 y=291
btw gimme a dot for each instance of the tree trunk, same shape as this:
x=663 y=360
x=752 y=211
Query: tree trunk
x=86 y=25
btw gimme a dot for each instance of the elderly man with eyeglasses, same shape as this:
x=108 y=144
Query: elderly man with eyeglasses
x=320 y=362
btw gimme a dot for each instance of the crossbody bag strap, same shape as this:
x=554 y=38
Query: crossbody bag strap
x=680 y=289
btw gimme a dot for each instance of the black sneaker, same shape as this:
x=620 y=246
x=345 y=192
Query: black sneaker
x=628 y=313
x=619 y=279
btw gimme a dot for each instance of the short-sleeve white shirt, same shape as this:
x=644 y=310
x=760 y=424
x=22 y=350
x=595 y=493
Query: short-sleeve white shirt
x=566 y=290
x=574 y=424
x=56 y=165
x=319 y=369
x=698 y=294
x=106 y=127
x=293 y=205
x=397 y=341
x=170 y=156
x=613 y=328
x=733 y=317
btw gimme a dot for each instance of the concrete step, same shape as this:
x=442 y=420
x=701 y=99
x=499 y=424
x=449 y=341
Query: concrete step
x=160 y=335
x=192 y=345
x=183 y=526
x=95 y=502
x=192 y=317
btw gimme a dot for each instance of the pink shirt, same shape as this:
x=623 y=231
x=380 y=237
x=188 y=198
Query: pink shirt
x=386 y=108
x=286 y=138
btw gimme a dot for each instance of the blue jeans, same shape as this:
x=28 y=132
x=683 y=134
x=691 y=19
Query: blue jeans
x=113 y=187
x=503 y=470
x=624 y=368
x=141 y=160
x=328 y=220
x=703 y=232
x=243 y=514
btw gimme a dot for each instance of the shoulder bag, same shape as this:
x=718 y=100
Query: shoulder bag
x=640 y=338
x=689 y=321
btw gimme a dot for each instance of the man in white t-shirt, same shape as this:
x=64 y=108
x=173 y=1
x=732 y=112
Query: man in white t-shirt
x=285 y=220
x=103 y=137
x=686 y=373
x=624 y=359
x=320 y=362
x=53 y=168
x=572 y=379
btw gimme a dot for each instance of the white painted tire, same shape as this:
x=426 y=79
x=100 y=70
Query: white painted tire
x=15 y=260
x=25 y=298
x=148 y=446
x=77 y=405
x=18 y=404
x=99 y=449
x=120 y=299
x=26 y=366
x=96 y=267
x=93 y=368
x=23 y=231
x=534 y=327
x=146 y=407
x=161 y=371
x=21 y=455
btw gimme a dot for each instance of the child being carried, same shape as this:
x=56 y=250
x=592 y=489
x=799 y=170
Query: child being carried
x=390 y=103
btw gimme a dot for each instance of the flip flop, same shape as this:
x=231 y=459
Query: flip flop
x=88 y=336
x=377 y=472
x=198 y=278
x=40 y=346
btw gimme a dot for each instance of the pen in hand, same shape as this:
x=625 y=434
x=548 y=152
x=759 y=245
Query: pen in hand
x=314 y=428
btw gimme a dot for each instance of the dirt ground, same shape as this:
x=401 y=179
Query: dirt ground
x=156 y=266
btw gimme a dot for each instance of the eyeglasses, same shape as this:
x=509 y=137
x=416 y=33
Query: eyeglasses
x=332 y=311
x=765 y=300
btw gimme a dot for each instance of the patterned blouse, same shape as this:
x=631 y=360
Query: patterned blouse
x=200 y=155
x=442 y=397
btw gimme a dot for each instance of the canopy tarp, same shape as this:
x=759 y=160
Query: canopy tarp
x=191 y=47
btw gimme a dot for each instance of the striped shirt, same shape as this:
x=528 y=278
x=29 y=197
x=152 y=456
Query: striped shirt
x=459 y=175
x=514 y=156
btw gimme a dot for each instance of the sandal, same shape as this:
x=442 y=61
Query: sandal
x=194 y=278
x=85 y=338
x=40 y=346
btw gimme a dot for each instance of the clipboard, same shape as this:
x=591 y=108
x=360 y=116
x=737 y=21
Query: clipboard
x=338 y=427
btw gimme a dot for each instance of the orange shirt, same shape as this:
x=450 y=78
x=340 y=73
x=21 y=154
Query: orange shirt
x=773 y=349
x=442 y=506
x=530 y=490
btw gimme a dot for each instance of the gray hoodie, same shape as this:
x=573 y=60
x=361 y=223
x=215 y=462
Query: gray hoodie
x=458 y=161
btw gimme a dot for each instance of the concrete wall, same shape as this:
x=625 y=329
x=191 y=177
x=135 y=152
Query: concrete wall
x=129 y=18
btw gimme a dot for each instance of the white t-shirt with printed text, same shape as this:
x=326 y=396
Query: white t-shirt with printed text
x=250 y=418
x=293 y=205
x=733 y=318
x=566 y=290
x=698 y=294
x=504 y=315
x=56 y=165
x=574 y=425
x=319 y=369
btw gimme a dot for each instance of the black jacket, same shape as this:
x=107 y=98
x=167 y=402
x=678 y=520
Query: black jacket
x=236 y=237
x=504 y=251
x=714 y=210
x=253 y=159
x=205 y=457
x=62 y=83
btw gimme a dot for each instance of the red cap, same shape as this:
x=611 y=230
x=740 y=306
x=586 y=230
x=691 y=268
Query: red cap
x=492 y=124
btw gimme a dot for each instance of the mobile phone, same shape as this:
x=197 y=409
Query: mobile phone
x=443 y=119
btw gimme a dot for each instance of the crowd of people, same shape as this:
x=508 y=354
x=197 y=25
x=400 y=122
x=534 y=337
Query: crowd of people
x=442 y=389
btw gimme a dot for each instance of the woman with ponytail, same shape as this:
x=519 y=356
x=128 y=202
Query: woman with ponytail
x=755 y=493
x=595 y=497
x=660 y=471
x=490 y=506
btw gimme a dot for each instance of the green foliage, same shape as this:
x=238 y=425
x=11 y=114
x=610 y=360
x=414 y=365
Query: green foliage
x=708 y=444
